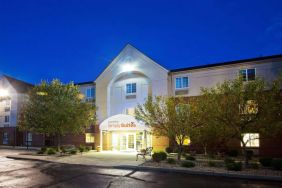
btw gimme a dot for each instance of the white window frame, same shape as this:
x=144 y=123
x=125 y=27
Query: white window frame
x=181 y=78
x=92 y=138
x=86 y=91
x=247 y=78
x=7 y=118
x=253 y=141
x=131 y=93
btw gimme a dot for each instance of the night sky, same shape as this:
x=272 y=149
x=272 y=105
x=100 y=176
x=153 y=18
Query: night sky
x=76 y=40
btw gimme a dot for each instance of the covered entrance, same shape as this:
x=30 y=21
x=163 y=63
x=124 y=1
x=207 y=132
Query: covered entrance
x=124 y=133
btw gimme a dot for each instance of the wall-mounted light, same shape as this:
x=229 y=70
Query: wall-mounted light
x=4 y=93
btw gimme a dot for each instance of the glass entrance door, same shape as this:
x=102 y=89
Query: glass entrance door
x=127 y=142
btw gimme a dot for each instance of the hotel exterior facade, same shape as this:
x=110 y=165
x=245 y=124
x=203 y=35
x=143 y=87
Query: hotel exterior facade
x=129 y=79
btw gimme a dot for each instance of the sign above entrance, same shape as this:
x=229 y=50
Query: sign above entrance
x=122 y=122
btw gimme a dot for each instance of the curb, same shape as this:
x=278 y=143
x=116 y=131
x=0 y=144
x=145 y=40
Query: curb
x=167 y=170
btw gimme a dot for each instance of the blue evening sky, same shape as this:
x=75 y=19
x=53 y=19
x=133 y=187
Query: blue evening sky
x=76 y=40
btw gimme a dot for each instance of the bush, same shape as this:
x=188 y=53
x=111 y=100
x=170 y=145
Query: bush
x=88 y=148
x=265 y=161
x=40 y=152
x=254 y=165
x=169 y=150
x=159 y=156
x=51 y=151
x=81 y=148
x=212 y=164
x=229 y=160
x=187 y=164
x=190 y=158
x=235 y=166
x=232 y=153
x=171 y=161
x=44 y=149
x=276 y=164
x=73 y=152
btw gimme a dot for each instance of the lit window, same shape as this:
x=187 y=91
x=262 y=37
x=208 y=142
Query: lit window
x=130 y=111
x=251 y=107
x=251 y=139
x=248 y=74
x=89 y=137
x=7 y=119
x=90 y=92
x=181 y=82
x=131 y=88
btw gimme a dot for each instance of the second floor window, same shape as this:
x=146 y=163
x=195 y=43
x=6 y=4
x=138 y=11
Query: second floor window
x=248 y=74
x=90 y=92
x=131 y=88
x=7 y=119
x=181 y=82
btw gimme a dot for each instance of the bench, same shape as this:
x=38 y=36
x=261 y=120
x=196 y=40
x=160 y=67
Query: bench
x=144 y=153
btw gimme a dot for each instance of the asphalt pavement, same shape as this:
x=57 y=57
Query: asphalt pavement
x=20 y=173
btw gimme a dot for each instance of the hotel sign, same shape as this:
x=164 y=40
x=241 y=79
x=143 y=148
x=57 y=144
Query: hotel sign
x=120 y=126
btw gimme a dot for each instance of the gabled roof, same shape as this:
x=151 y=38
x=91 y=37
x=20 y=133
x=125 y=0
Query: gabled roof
x=228 y=63
x=19 y=85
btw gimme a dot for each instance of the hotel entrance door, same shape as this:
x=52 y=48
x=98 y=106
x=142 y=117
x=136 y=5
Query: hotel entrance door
x=127 y=142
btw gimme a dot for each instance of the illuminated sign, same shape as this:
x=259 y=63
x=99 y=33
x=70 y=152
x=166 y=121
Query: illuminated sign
x=117 y=125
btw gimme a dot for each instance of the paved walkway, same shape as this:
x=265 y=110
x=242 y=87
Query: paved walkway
x=105 y=159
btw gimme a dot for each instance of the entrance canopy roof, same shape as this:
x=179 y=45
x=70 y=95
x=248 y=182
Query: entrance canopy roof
x=122 y=122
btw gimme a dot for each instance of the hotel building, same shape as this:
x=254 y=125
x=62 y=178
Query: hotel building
x=132 y=76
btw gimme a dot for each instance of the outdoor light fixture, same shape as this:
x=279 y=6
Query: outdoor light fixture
x=3 y=93
x=128 y=67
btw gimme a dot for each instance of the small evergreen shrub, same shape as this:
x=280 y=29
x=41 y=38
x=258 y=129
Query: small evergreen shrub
x=43 y=150
x=212 y=164
x=187 y=164
x=276 y=164
x=229 y=160
x=250 y=154
x=159 y=156
x=82 y=148
x=254 y=165
x=235 y=166
x=40 y=152
x=73 y=152
x=51 y=151
x=88 y=148
x=265 y=161
x=190 y=158
x=163 y=155
x=171 y=161
x=169 y=150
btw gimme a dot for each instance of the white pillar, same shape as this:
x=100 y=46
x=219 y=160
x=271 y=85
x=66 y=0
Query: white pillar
x=101 y=140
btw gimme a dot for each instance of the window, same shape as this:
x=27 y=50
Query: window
x=130 y=111
x=89 y=137
x=7 y=109
x=251 y=139
x=29 y=139
x=181 y=82
x=5 y=138
x=248 y=74
x=90 y=92
x=7 y=119
x=131 y=88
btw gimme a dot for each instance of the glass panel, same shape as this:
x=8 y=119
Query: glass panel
x=128 y=88
x=89 y=137
x=185 y=82
x=251 y=74
x=130 y=141
x=134 y=88
x=243 y=74
x=122 y=142
x=7 y=119
x=5 y=138
x=251 y=139
x=178 y=83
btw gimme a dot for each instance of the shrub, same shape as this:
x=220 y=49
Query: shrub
x=51 y=151
x=159 y=156
x=254 y=165
x=169 y=150
x=73 y=152
x=44 y=149
x=81 y=148
x=187 y=164
x=171 y=161
x=163 y=155
x=232 y=153
x=229 y=160
x=190 y=158
x=40 y=152
x=265 y=161
x=88 y=148
x=276 y=164
x=212 y=164
x=235 y=166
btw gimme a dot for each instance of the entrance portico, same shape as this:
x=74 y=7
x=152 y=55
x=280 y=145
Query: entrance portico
x=124 y=133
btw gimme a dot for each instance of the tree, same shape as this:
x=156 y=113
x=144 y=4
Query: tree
x=56 y=109
x=241 y=107
x=170 y=117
